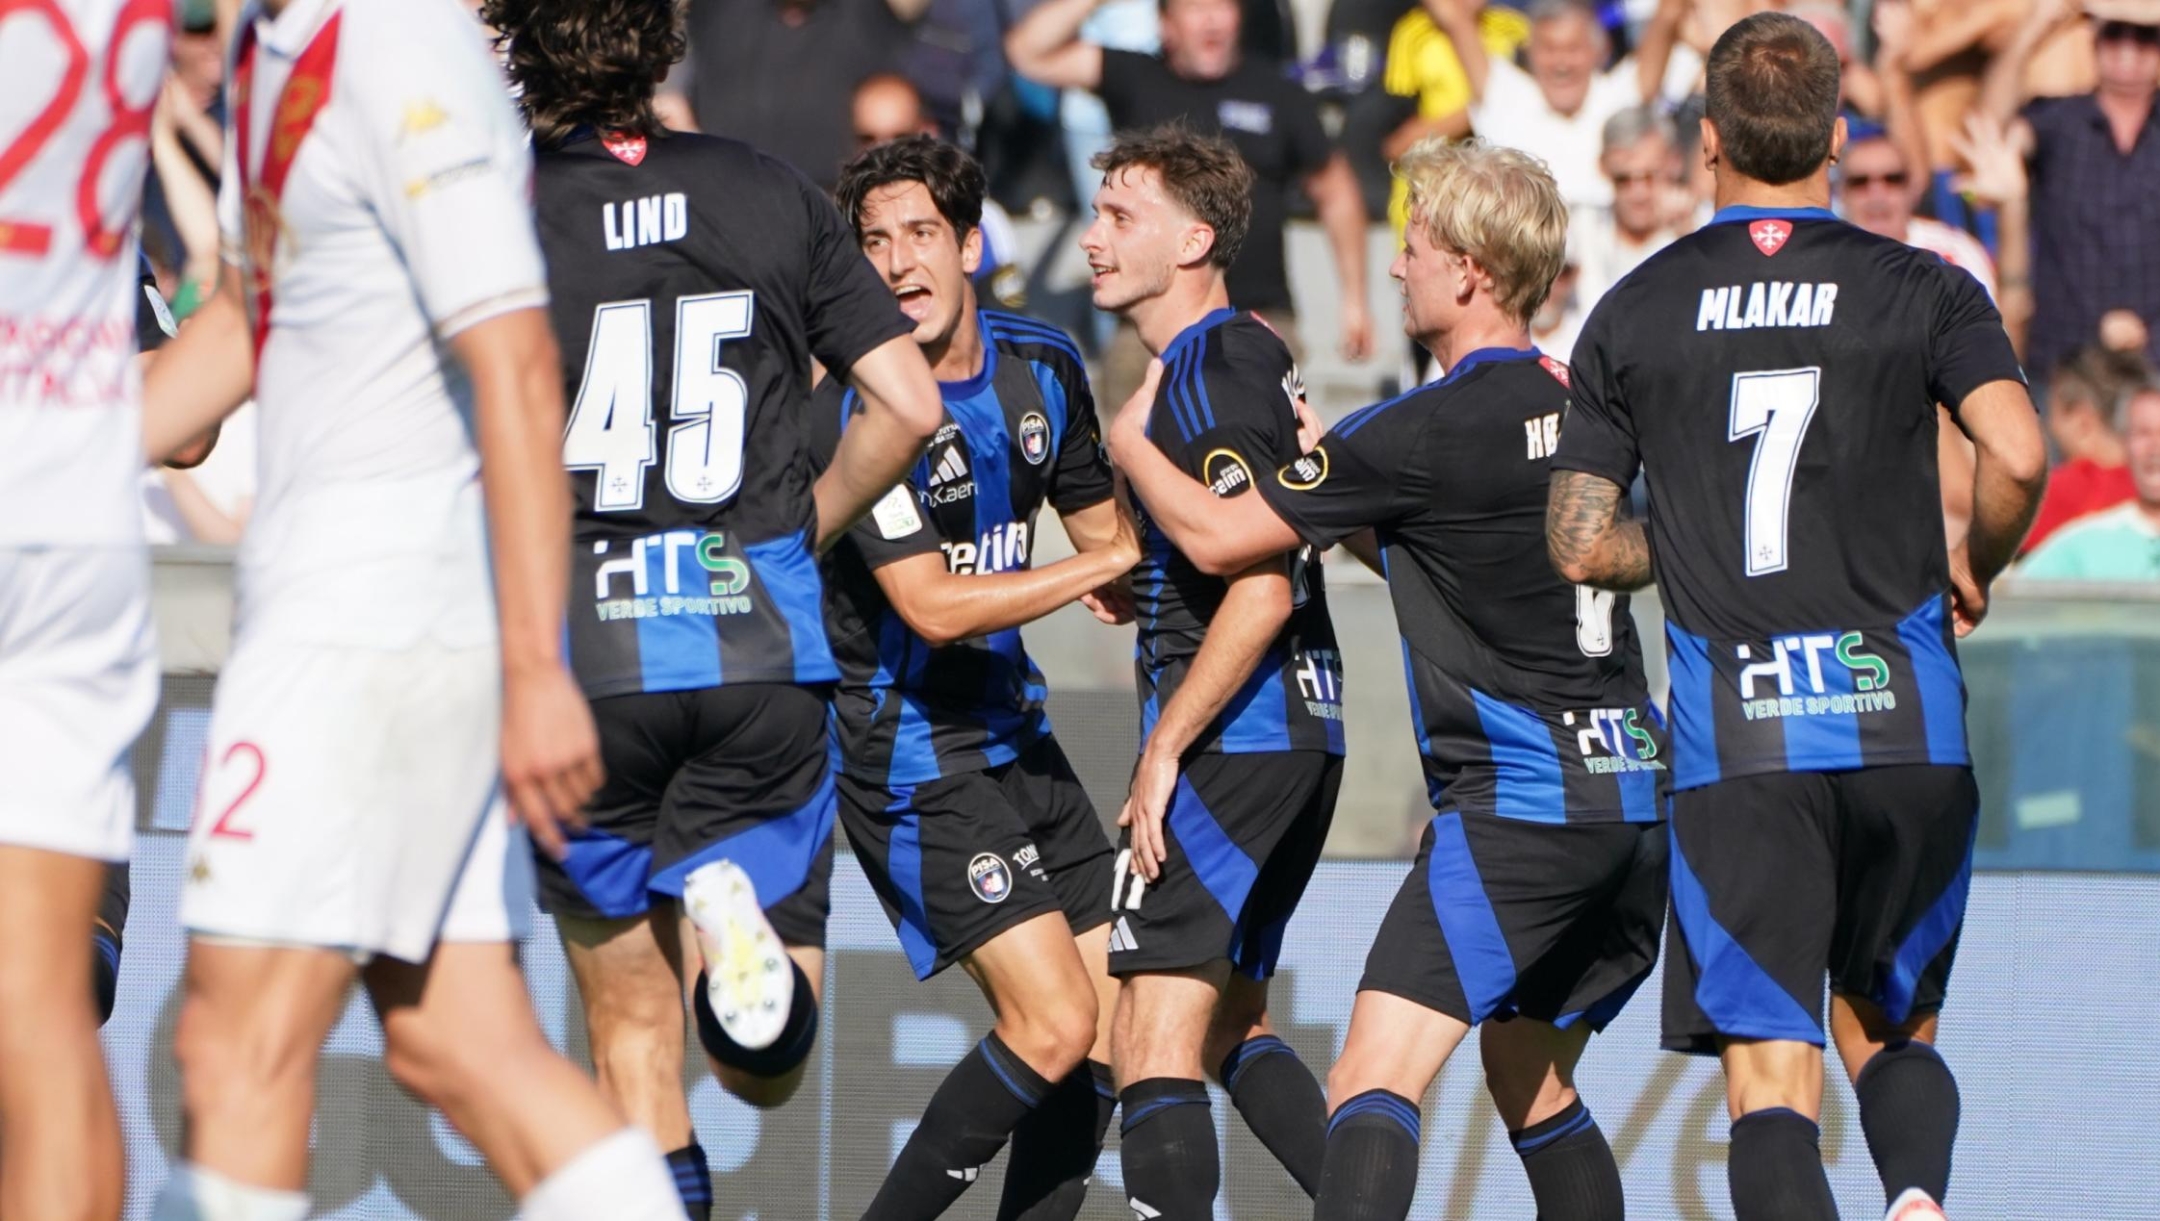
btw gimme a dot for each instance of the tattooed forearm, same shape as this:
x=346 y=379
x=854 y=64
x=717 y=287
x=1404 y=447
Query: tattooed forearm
x=1589 y=543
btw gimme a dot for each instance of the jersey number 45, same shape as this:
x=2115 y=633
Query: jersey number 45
x=611 y=431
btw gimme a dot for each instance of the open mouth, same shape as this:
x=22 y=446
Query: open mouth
x=915 y=301
x=1098 y=273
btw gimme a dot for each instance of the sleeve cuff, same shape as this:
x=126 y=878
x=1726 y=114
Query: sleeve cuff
x=466 y=317
x=1610 y=472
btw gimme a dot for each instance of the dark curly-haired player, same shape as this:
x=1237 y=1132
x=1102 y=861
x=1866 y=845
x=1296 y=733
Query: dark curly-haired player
x=693 y=282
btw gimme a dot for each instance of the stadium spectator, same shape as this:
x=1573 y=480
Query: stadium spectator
x=1202 y=78
x=779 y=74
x=1875 y=193
x=2094 y=473
x=1556 y=110
x=2122 y=543
x=888 y=106
x=1641 y=161
x=2095 y=163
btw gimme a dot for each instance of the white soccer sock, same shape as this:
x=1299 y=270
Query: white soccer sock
x=196 y=1194
x=622 y=1177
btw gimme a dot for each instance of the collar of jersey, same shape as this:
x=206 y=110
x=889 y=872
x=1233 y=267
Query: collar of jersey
x=1214 y=319
x=1488 y=356
x=1741 y=212
x=289 y=33
x=969 y=387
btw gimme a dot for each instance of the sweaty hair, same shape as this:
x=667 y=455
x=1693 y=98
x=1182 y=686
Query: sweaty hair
x=1204 y=174
x=1497 y=205
x=586 y=62
x=1773 y=97
x=953 y=178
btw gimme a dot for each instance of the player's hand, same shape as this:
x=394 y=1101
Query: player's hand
x=1893 y=23
x=1357 y=331
x=1968 y=597
x=1130 y=426
x=1309 y=427
x=550 y=753
x=1111 y=603
x=1153 y=783
x=1997 y=174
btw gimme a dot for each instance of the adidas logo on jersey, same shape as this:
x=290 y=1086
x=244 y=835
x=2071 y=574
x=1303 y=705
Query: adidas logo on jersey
x=1121 y=937
x=1766 y=303
x=950 y=481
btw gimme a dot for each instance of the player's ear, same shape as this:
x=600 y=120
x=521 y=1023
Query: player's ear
x=1198 y=243
x=1837 y=140
x=1711 y=145
x=971 y=251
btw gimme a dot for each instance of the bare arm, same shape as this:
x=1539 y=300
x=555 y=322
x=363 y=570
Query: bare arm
x=2002 y=87
x=1901 y=109
x=900 y=411
x=944 y=606
x=1252 y=614
x=1045 y=46
x=551 y=755
x=199 y=378
x=1415 y=128
x=1219 y=535
x=1588 y=541
x=187 y=196
x=1341 y=206
x=206 y=523
x=1654 y=54
x=1956 y=28
x=908 y=11
x=1997 y=178
x=2009 y=475
x=1458 y=21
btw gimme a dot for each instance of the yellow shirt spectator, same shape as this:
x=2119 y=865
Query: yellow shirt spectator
x=1421 y=63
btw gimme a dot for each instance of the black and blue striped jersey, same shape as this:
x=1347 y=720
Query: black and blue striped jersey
x=1020 y=434
x=1527 y=692
x=1225 y=408
x=692 y=279
x=1775 y=374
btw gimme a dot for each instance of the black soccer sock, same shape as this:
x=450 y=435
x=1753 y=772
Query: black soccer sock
x=1281 y=1103
x=780 y=1058
x=1372 y=1159
x=104 y=973
x=1909 y=1110
x=1054 y=1150
x=975 y=1109
x=693 y=1180
x=1571 y=1168
x=1775 y=1168
x=1167 y=1146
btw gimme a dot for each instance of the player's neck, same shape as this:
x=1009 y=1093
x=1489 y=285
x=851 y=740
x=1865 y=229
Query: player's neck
x=1737 y=191
x=1489 y=330
x=1189 y=298
x=960 y=356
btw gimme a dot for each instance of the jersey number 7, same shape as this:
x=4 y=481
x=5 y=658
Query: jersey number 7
x=611 y=430
x=1776 y=409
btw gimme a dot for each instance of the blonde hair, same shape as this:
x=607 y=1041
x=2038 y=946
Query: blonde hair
x=1496 y=205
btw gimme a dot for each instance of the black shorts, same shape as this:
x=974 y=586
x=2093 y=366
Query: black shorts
x=1501 y=917
x=742 y=773
x=1782 y=880
x=960 y=859
x=1243 y=833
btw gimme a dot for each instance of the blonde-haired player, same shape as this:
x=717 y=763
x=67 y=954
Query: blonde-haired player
x=78 y=667
x=384 y=299
x=1539 y=892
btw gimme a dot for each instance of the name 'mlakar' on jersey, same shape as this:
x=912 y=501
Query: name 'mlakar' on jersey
x=1766 y=303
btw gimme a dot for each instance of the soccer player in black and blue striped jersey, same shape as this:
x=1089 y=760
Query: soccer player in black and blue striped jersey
x=1240 y=696
x=961 y=807
x=1535 y=904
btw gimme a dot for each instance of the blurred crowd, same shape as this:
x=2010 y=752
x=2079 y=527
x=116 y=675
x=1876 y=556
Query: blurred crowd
x=2016 y=139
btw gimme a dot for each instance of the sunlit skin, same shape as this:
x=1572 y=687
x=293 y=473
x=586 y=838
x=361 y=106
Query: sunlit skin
x=886 y=108
x=2141 y=440
x=1565 y=54
x=929 y=269
x=1139 y=243
x=1872 y=201
x=1640 y=174
x=1200 y=38
x=2127 y=68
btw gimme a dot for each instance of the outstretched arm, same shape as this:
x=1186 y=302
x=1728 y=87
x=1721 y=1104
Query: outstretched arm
x=1589 y=542
x=1458 y=20
x=943 y=606
x=1220 y=535
x=199 y=378
x=1045 y=46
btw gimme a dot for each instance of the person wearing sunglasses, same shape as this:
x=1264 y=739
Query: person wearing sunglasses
x=2094 y=160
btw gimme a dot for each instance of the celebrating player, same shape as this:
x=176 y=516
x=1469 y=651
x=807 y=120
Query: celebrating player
x=1776 y=373
x=693 y=280
x=1540 y=887
x=380 y=696
x=959 y=802
x=1240 y=697
x=78 y=665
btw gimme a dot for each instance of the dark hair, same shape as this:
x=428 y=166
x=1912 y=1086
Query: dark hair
x=954 y=179
x=1203 y=173
x=586 y=62
x=1773 y=97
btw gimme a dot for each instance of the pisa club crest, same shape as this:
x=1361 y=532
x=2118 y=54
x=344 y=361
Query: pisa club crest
x=1034 y=438
x=990 y=878
x=1770 y=235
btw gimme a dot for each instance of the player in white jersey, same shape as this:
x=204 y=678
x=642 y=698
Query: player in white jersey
x=78 y=674
x=384 y=298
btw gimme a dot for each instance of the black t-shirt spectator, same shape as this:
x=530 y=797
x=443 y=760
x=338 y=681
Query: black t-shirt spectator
x=2096 y=227
x=1275 y=125
x=782 y=77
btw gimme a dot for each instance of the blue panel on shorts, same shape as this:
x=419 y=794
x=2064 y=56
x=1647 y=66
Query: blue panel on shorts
x=1926 y=941
x=612 y=873
x=1736 y=994
x=1216 y=859
x=777 y=854
x=1483 y=964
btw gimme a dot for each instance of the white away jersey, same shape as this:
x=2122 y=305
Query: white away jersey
x=77 y=81
x=376 y=198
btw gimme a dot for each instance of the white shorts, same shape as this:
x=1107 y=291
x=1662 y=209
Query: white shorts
x=350 y=800
x=78 y=681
